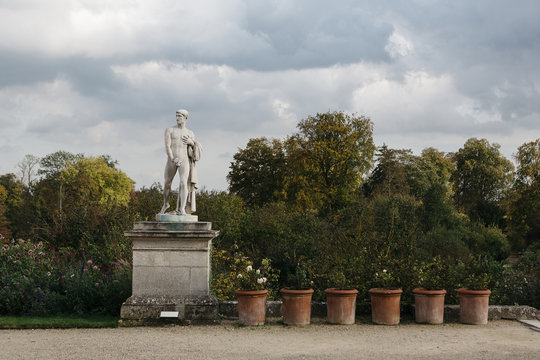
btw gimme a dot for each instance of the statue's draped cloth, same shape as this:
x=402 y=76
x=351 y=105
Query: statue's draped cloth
x=194 y=154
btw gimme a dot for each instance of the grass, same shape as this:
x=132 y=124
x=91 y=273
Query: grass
x=58 y=322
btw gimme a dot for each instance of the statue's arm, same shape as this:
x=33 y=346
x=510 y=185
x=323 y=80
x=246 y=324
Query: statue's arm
x=168 y=142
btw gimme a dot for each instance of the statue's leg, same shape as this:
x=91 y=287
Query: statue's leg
x=183 y=172
x=170 y=171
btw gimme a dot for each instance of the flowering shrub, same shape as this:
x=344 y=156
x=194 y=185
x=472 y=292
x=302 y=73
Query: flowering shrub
x=251 y=279
x=230 y=272
x=38 y=280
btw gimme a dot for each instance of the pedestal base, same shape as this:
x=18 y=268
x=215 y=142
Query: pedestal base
x=177 y=218
x=171 y=272
x=146 y=310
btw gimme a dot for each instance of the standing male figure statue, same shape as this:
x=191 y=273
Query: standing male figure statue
x=182 y=154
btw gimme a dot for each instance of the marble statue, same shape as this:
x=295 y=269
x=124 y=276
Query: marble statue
x=182 y=154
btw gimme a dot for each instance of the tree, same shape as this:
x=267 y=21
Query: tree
x=257 y=172
x=95 y=199
x=523 y=211
x=28 y=168
x=389 y=175
x=425 y=178
x=442 y=163
x=18 y=206
x=481 y=179
x=91 y=180
x=52 y=164
x=318 y=167
x=5 y=233
x=146 y=202
x=51 y=167
x=336 y=150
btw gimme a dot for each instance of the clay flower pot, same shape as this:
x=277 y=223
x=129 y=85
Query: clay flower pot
x=385 y=306
x=251 y=306
x=429 y=306
x=341 y=305
x=296 y=307
x=473 y=306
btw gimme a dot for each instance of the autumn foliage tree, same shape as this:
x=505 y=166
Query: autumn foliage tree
x=318 y=167
x=336 y=150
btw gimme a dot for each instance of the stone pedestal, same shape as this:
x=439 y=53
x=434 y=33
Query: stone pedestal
x=171 y=272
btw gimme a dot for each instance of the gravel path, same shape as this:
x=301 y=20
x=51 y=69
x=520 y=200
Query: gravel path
x=497 y=340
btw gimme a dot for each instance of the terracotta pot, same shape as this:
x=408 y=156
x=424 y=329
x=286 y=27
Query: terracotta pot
x=474 y=306
x=296 y=307
x=251 y=306
x=429 y=306
x=341 y=305
x=385 y=306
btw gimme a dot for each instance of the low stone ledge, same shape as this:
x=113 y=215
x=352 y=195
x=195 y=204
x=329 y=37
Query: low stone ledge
x=522 y=312
x=229 y=309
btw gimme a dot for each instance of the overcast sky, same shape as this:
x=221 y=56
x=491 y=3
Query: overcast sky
x=106 y=77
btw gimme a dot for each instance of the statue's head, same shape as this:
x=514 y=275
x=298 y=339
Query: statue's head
x=182 y=112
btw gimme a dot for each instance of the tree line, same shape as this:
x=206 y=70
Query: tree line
x=325 y=198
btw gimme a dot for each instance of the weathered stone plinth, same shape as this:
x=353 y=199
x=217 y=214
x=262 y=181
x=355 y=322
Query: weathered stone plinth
x=171 y=272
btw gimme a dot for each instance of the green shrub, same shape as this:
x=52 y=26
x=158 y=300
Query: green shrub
x=520 y=284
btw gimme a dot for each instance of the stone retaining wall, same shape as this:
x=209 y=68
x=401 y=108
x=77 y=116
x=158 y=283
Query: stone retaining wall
x=229 y=309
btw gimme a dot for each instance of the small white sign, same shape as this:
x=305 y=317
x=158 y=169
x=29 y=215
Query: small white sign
x=169 y=314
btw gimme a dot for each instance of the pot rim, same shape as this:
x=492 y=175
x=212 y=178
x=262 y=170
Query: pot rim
x=342 y=292
x=295 y=291
x=424 y=291
x=251 y=292
x=466 y=291
x=385 y=292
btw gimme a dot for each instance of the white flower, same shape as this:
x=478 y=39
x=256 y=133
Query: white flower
x=258 y=271
x=249 y=268
x=263 y=280
x=260 y=281
x=239 y=276
x=384 y=271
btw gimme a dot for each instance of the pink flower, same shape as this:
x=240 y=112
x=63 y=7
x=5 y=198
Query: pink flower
x=95 y=267
x=85 y=270
x=40 y=244
x=89 y=261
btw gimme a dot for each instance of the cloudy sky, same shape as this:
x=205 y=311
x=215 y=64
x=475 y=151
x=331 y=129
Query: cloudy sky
x=105 y=77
